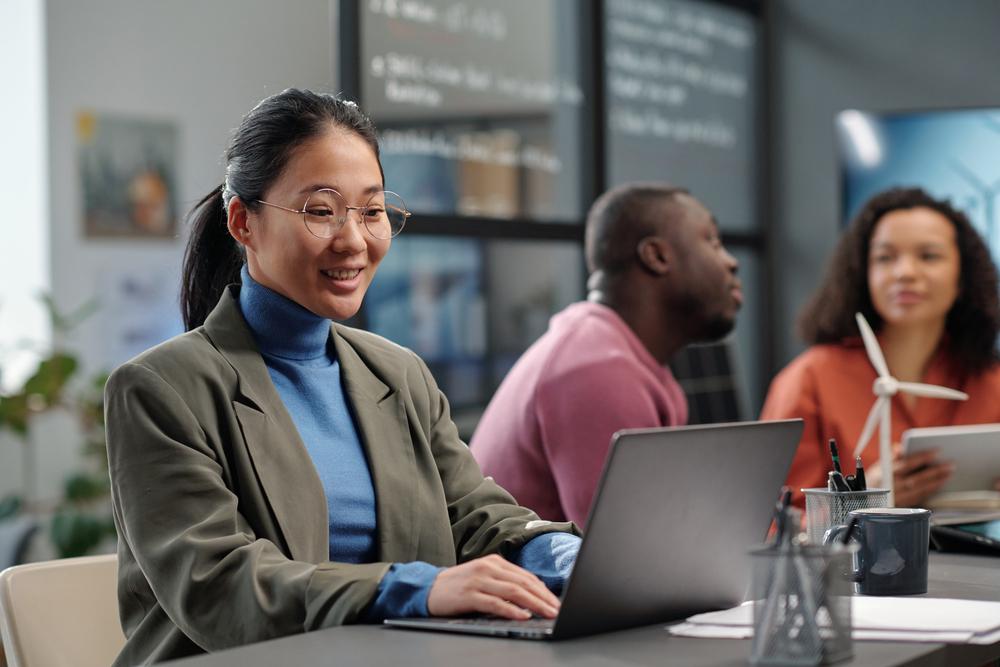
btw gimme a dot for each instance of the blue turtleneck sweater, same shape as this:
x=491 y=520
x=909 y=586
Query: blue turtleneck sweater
x=302 y=362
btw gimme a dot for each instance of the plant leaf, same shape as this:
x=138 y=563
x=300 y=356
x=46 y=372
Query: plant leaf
x=14 y=413
x=76 y=533
x=82 y=487
x=9 y=506
x=51 y=376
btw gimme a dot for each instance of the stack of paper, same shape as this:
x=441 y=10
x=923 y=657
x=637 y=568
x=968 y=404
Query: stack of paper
x=938 y=620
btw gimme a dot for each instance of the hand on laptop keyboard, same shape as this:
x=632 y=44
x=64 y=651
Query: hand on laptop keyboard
x=490 y=585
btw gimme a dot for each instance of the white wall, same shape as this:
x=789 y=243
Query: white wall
x=828 y=56
x=198 y=63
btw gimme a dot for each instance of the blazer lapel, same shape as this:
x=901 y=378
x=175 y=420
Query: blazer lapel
x=283 y=466
x=384 y=431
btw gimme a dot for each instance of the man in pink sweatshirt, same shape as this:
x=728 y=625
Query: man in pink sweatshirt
x=659 y=279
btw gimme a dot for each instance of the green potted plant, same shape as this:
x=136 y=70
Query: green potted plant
x=80 y=517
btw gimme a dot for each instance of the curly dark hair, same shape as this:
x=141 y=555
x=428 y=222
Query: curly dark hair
x=972 y=323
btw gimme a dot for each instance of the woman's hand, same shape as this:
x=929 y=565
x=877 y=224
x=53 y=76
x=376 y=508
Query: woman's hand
x=490 y=585
x=915 y=477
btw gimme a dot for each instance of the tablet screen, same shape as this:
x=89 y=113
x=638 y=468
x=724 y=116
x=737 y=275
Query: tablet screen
x=990 y=529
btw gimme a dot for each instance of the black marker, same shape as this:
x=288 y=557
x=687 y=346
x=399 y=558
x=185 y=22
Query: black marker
x=781 y=516
x=835 y=482
x=835 y=456
x=859 y=475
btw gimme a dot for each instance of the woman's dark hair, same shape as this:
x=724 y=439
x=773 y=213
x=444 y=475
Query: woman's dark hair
x=256 y=157
x=972 y=323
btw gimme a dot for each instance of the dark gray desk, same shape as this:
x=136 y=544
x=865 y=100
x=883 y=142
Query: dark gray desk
x=967 y=577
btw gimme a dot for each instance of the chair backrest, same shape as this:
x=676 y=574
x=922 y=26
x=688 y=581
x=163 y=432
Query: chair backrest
x=61 y=612
x=711 y=380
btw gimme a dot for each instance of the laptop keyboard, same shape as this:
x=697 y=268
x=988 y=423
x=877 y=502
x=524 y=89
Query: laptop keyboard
x=495 y=622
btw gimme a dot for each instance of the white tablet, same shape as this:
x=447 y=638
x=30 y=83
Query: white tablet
x=975 y=451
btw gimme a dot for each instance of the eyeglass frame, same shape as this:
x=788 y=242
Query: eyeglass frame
x=406 y=213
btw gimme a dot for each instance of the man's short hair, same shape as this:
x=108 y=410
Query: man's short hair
x=620 y=218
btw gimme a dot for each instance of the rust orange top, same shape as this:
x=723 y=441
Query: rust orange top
x=830 y=387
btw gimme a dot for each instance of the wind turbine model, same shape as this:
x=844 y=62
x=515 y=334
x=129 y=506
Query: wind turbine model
x=885 y=388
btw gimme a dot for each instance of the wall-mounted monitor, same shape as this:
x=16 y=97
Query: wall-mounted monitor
x=952 y=153
x=478 y=104
x=681 y=83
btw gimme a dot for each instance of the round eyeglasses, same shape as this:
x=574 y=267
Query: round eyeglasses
x=326 y=211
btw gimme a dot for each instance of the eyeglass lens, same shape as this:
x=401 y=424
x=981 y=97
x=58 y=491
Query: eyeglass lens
x=383 y=215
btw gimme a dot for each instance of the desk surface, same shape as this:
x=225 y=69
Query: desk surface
x=954 y=576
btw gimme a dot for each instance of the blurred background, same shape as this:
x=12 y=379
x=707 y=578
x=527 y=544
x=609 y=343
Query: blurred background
x=500 y=123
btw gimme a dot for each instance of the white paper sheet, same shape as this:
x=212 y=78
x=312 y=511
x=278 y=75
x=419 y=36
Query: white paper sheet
x=876 y=618
x=705 y=631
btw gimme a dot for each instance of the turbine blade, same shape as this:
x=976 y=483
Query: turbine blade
x=871 y=346
x=932 y=390
x=870 y=423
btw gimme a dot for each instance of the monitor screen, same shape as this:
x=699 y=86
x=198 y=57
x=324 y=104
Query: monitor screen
x=680 y=81
x=953 y=154
x=478 y=105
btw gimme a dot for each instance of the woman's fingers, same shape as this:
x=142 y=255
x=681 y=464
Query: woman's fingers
x=484 y=603
x=517 y=585
x=916 y=487
x=915 y=460
x=531 y=583
x=522 y=596
x=490 y=585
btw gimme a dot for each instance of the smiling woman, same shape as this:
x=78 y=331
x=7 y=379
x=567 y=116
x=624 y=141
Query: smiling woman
x=922 y=276
x=273 y=472
x=327 y=275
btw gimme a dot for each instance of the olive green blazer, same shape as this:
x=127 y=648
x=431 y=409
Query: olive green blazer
x=221 y=516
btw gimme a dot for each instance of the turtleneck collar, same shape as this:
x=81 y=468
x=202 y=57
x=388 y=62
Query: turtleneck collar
x=280 y=326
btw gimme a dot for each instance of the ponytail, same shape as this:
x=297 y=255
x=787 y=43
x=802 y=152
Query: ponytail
x=212 y=260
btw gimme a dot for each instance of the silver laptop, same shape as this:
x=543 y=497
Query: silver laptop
x=673 y=517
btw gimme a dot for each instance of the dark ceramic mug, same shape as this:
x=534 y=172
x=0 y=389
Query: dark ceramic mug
x=892 y=554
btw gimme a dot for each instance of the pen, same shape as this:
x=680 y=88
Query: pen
x=835 y=455
x=835 y=482
x=859 y=475
x=781 y=515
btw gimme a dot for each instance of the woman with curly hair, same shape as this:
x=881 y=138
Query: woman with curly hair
x=923 y=278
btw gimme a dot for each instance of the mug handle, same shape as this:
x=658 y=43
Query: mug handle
x=834 y=534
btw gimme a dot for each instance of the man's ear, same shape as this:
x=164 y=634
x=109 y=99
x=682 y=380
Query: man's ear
x=654 y=255
x=237 y=221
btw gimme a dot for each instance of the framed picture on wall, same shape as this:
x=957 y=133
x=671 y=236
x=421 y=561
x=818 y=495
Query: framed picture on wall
x=127 y=168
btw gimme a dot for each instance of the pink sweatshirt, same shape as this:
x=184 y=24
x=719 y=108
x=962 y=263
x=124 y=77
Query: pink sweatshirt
x=546 y=433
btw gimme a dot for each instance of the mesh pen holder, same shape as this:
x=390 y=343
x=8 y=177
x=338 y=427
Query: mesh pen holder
x=801 y=604
x=825 y=509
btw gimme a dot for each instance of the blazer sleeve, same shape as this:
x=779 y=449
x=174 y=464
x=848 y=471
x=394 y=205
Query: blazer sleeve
x=217 y=581
x=484 y=518
x=793 y=393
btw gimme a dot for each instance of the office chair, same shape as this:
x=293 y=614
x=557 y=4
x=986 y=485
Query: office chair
x=61 y=613
x=709 y=375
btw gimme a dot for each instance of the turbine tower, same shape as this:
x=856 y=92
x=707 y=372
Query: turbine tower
x=885 y=388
